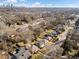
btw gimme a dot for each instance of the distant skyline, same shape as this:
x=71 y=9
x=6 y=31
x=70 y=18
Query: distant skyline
x=42 y=3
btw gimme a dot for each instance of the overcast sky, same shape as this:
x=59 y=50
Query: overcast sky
x=42 y=3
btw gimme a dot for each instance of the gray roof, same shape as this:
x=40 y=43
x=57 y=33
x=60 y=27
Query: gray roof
x=23 y=54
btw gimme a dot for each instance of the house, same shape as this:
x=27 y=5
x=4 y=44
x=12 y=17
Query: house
x=34 y=49
x=54 y=33
x=22 y=54
x=41 y=43
x=48 y=37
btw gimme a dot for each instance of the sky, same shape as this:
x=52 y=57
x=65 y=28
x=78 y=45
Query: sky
x=41 y=3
